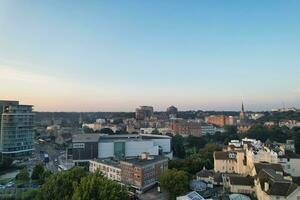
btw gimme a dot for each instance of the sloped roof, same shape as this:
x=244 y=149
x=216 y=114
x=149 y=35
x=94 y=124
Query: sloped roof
x=240 y=180
x=277 y=184
x=275 y=167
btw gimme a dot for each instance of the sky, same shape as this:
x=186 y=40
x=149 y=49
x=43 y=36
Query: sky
x=108 y=55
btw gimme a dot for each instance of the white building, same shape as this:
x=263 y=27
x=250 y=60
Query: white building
x=133 y=145
x=109 y=168
x=209 y=129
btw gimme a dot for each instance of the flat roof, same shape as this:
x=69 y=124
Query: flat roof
x=86 y=137
x=140 y=162
x=114 y=163
x=155 y=136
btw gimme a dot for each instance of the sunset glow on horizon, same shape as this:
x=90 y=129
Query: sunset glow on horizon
x=109 y=56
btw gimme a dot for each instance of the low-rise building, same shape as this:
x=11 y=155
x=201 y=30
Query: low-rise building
x=110 y=168
x=290 y=162
x=270 y=185
x=230 y=161
x=239 y=184
x=143 y=172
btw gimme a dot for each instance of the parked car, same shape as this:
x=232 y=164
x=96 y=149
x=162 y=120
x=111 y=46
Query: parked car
x=10 y=184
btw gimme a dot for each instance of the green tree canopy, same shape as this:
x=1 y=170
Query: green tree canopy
x=106 y=131
x=5 y=163
x=178 y=146
x=97 y=187
x=23 y=175
x=61 y=186
x=175 y=182
x=38 y=172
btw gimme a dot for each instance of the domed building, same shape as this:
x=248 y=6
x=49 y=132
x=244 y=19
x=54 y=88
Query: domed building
x=172 y=110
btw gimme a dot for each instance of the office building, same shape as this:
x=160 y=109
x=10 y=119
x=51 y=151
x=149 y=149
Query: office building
x=144 y=112
x=143 y=172
x=16 y=129
x=111 y=169
x=139 y=173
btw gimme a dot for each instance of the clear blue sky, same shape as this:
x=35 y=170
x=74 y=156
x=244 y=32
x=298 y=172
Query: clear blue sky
x=115 y=55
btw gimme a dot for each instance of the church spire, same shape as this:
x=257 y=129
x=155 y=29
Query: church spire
x=242 y=113
x=243 y=107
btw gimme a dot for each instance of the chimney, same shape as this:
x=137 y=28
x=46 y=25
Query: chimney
x=144 y=156
x=266 y=186
x=279 y=172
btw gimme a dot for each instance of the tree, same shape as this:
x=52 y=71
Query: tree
x=38 y=172
x=95 y=186
x=31 y=194
x=196 y=142
x=107 y=131
x=23 y=175
x=295 y=135
x=175 y=182
x=61 y=186
x=5 y=163
x=178 y=146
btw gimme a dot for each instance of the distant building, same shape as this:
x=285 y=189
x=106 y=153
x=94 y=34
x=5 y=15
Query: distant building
x=186 y=127
x=289 y=123
x=242 y=113
x=209 y=129
x=144 y=112
x=244 y=126
x=256 y=116
x=172 y=111
x=269 y=124
x=221 y=120
x=16 y=129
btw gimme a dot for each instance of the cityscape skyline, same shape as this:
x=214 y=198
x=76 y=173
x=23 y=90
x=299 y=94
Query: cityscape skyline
x=115 y=56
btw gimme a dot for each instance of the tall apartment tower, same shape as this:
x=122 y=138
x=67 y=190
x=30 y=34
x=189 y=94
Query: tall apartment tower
x=16 y=129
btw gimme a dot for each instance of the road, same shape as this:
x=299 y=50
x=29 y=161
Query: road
x=41 y=149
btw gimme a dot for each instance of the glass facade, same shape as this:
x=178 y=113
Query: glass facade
x=16 y=130
x=119 y=150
